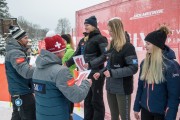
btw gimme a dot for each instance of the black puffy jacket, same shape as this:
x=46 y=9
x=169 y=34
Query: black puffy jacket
x=93 y=50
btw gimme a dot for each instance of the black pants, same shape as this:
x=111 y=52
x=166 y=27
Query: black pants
x=27 y=110
x=94 y=105
x=146 y=115
x=71 y=107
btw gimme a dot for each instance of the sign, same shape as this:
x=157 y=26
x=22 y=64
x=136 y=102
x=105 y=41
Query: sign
x=79 y=61
x=82 y=76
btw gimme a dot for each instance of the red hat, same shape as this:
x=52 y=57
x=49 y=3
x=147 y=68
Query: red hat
x=55 y=44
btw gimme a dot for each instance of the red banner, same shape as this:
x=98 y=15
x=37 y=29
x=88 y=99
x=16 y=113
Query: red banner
x=179 y=51
x=138 y=16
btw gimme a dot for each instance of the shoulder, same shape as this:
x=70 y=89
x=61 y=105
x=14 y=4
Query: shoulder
x=15 y=53
x=81 y=40
x=59 y=70
x=171 y=65
x=101 y=39
x=128 y=46
x=70 y=50
x=172 y=68
x=63 y=69
x=128 y=49
x=99 y=36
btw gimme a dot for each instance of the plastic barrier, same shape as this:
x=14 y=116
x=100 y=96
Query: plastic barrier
x=4 y=94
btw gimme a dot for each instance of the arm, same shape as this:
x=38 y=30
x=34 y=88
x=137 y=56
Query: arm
x=102 y=44
x=137 y=106
x=173 y=88
x=131 y=65
x=19 y=62
x=73 y=93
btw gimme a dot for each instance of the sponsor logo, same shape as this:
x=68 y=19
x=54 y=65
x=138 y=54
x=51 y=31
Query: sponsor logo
x=147 y=14
x=117 y=66
x=135 y=61
x=39 y=87
x=175 y=75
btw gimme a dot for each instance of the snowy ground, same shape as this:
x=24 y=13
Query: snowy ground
x=6 y=111
x=1 y=59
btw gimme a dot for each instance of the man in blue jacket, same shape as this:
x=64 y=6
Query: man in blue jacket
x=19 y=75
x=54 y=84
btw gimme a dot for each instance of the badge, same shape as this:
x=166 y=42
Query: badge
x=18 y=102
x=20 y=60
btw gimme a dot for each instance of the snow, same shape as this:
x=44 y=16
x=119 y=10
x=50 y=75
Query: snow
x=5 y=110
x=2 y=59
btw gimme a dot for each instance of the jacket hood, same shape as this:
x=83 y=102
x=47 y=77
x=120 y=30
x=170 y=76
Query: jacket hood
x=12 y=43
x=46 y=59
x=169 y=53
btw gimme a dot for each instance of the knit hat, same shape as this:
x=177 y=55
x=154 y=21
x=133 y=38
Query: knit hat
x=92 y=21
x=55 y=44
x=158 y=37
x=16 y=32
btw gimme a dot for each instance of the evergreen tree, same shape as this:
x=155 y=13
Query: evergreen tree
x=4 y=10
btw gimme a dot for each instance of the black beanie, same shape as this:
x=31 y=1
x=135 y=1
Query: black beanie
x=16 y=32
x=66 y=38
x=157 y=38
x=92 y=21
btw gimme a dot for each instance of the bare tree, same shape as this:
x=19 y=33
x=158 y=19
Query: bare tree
x=34 y=31
x=63 y=26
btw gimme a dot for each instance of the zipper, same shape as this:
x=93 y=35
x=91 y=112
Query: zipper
x=166 y=111
x=152 y=86
x=148 y=98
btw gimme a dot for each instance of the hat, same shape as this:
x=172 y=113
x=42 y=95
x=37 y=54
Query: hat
x=54 y=44
x=66 y=38
x=16 y=32
x=50 y=33
x=92 y=21
x=157 y=38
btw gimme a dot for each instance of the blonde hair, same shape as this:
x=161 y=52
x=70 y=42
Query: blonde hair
x=118 y=40
x=86 y=38
x=152 y=69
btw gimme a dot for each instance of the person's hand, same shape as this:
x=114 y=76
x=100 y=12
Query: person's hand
x=96 y=76
x=64 y=64
x=107 y=73
x=86 y=65
x=90 y=81
x=136 y=115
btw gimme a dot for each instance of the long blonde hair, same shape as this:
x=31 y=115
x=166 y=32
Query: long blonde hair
x=152 y=69
x=118 y=40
